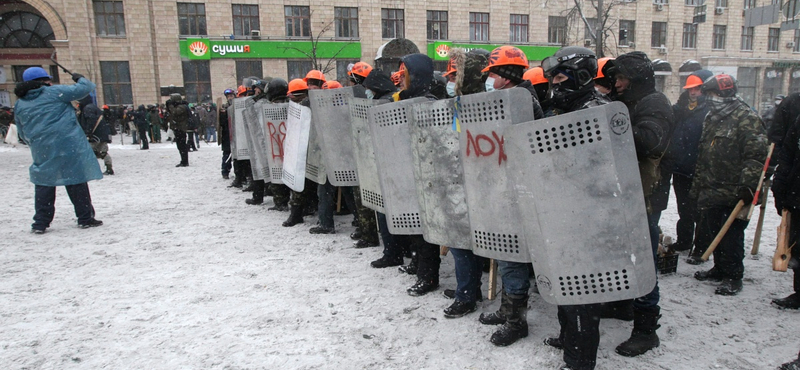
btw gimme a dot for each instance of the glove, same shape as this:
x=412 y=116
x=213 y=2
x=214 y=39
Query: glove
x=779 y=205
x=745 y=194
x=76 y=77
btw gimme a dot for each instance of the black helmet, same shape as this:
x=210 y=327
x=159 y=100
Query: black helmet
x=722 y=84
x=577 y=63
x=261 y=84
x=277 y=87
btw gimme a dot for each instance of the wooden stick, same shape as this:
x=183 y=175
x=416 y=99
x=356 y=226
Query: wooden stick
x=783 y=252
x=761 y=181
x=760 y=226
x=339 y=201
x=492 y=280
x=443 y=250
x=724 y=230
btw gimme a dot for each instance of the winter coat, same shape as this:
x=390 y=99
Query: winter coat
x=785 y=115
x=786 y=184
x=89 y=117
x=223 y=128
x=683 y=148
x=380 y=84
x=46 y=119
x=140 y=119
x=733 y=148
x=419 y=75
x=178 y=115
x=194 y=121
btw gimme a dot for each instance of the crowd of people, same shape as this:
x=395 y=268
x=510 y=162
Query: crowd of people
x=709 y=146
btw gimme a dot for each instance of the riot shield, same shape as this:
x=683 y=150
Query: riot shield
x=371 y=196
x=242 y=150
x=331 y=120
x=315 y=165
x=298 y=127
x=256 y=140
x=392 y=143
x=576 y=181
x=439 y=175
x=494 y=224
x=232 y=128
x=275 y=117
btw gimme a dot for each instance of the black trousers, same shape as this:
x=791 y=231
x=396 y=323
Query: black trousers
x=729 y=255
x=428 y=259
x=580 y=333
x=687 y=208
x=183 y=149
x=45 y=203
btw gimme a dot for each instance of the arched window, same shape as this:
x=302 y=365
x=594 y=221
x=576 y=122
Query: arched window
x=24 y=30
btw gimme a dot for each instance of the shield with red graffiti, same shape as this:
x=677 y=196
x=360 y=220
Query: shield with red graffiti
x=275 y=117
x=575 y=179
x=256 y=139
x=364 y=151
x=495 y=230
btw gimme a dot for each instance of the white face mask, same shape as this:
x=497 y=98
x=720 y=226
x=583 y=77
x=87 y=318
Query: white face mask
x=451 y=88
x=370 y=94
x=489 y=84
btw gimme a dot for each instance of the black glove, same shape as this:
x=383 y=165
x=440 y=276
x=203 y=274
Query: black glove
x=779 y=205
x=76 y=77
x=745 y=194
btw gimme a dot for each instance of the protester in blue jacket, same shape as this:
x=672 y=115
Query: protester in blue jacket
x=61 y=153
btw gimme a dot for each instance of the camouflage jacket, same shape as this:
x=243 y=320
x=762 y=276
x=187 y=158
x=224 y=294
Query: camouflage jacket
x=733 y=149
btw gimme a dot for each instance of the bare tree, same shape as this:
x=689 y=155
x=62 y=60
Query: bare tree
x=602 y=30
x=321 y=64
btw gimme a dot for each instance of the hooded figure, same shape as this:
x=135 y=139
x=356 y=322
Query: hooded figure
x=379 y=85
x=418 y=75
x=140 y=120
x=468 y=66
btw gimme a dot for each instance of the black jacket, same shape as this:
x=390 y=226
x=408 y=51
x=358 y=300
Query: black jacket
x=419 y=76
x=224 y=129
x=786 y=185
x=684 y=147
x=380 y=84
x=785 y=115
x=140 y=119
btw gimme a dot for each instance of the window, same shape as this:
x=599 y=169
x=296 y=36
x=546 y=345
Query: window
x=659 y=35
x=346 y=20
x=773 y=84
x=749 y=4
x=298 y=21
x=773 y=39
x=116 y=82
x=557 y=30
x=589 y=31
x=247 y=68
x=19 y=70
x=746 y=84
x=478 y=26
x=298 y=68
x=24 y=30
x=721 y=3
x=796 y=48
x=245 y=19
x=718 y=37
x=689 y=36
x=630 y=26
x=519 y=28
x=192 y=19
x=693 y=2
x=109 y=18
x=197 y=80
x=747 y=38
x=794 y=81
x=54 y=73
x=341 y=68
x=392 y=23
x=437 y=25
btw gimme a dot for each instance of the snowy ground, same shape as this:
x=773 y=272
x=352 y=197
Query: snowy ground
x=185 y=275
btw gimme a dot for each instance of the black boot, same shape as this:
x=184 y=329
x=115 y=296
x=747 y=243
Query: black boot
x=794 y=365
x=422 y=287
x=791 y=302
x=295 y=217
x=322 y=230
x=516 y=325
x=729 y=287
x=384 y=262
x=459 y=309
x=710 y=275
x=109 y=170
x=279 y=208
x=643 y=337
x=411 y=267
x=498 y=317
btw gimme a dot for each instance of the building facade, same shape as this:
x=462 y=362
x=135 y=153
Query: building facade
x=133 y=48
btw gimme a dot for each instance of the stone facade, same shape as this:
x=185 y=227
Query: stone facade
x=151 y=41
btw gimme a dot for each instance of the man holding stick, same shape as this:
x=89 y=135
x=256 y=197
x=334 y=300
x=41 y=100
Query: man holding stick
x=786 y=189
x=733 y=148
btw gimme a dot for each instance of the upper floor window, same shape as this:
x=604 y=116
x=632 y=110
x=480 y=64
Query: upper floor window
x=109 y=18
x=437 y=25
x=245 y=19
x=298 y=21
x=346 y=20
x=519 y=28
x=556 y=30
x=392 y=23
x=192 y=19
x=478 y=26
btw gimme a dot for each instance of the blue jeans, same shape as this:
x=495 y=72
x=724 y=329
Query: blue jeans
x=652 y=298
x=515 y=277
x=45 y=203
x=226 y=163
x=468 y=274
x=325 y=192
x=211 y=132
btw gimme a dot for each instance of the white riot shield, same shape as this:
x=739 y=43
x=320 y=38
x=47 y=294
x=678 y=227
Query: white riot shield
x=242 y=150
x=232 y=129
x=298 y=127
x=577 y=184
x=275 y=117
x=371 y=196
x=331 y=120
x=257 y=139
x=495 y=226
x=392 y=143
x=315 y=165
x=439 y=175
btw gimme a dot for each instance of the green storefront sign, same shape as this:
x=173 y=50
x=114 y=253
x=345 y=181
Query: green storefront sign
x=205 y=49
x=439 y=50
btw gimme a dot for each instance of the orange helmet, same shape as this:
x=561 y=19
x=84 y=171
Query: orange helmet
x=600 y=64
x=241 y=91
x=451 y=68
x=105 y=106
x=398 y=76
x=315 y=74
x=693 y=81
x=361 y=69
x=331 y=85
x=297 y=85
x=506 y=55
x=535 y=75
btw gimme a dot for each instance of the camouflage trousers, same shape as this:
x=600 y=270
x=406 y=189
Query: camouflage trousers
x=366 y=219
x=280 y=194
x=307 y=199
